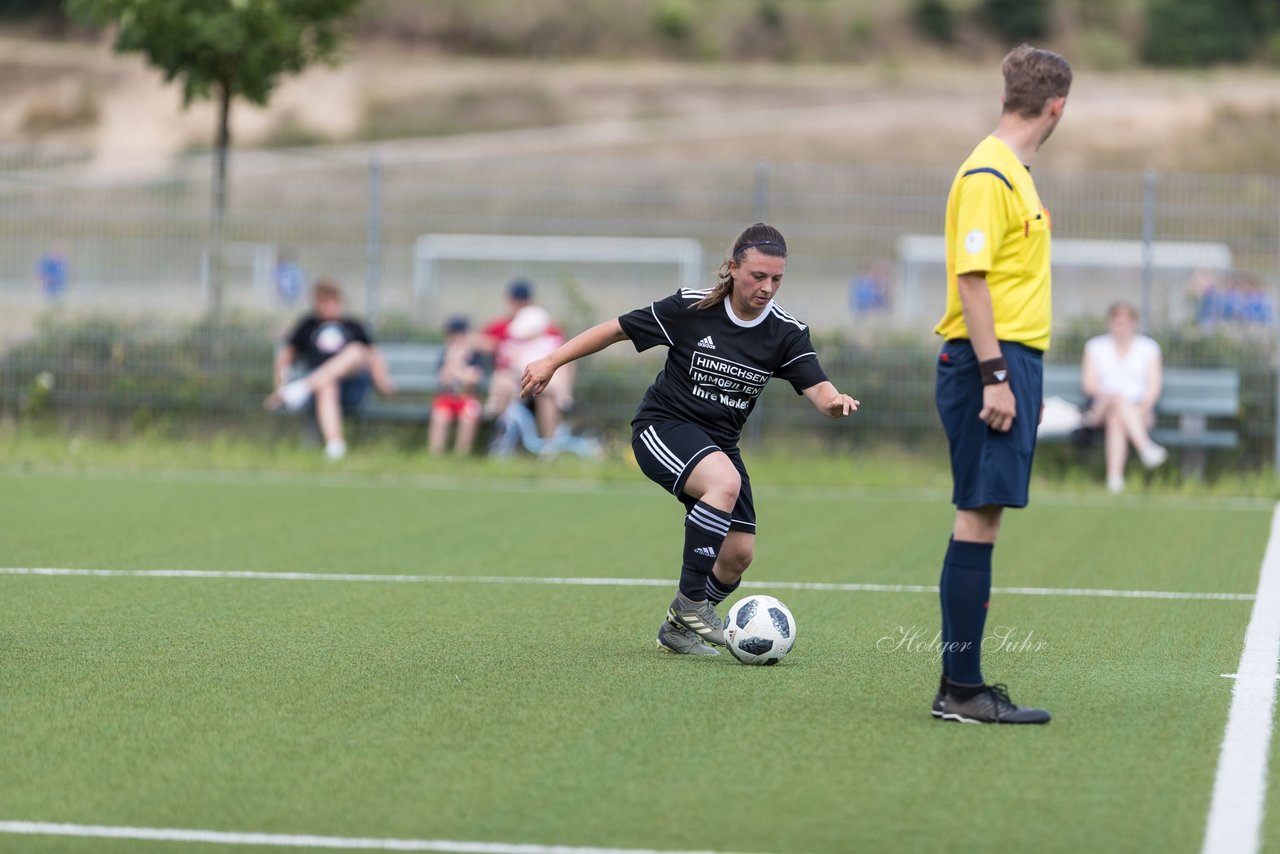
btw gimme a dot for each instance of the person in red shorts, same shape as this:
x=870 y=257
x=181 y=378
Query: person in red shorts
x=456 y=401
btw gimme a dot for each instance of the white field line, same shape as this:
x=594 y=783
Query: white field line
x=282 y=840
x=250 y=575
x=1240 y=787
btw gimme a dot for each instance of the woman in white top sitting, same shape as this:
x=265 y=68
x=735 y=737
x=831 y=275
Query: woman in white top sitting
x=1122 y=374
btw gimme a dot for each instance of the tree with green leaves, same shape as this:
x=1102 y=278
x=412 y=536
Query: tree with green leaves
x=222 y=50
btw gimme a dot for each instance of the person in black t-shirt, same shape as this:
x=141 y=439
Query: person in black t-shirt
x=723 y=345
x=340 y=361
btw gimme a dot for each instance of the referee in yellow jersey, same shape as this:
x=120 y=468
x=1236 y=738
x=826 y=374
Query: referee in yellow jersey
x=990 y=376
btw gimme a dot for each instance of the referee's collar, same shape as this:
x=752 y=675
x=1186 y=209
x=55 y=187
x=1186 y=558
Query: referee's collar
x=756 y=321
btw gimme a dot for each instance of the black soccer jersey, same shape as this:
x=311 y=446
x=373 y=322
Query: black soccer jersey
x=717 y=364
x=315 y=341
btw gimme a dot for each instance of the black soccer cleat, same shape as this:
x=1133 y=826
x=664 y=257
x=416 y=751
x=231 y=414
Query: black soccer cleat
x=991 y=705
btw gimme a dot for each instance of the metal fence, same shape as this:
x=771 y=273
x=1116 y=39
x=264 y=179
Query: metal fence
x=83 y=242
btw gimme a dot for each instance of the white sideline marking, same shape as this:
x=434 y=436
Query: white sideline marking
x=599 y=582
x=1240 y=788
x=282 y=840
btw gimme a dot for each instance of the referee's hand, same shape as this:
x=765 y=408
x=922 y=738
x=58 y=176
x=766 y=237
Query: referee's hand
x=998 y=407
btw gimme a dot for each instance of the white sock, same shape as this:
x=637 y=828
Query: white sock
x=1115 y=485
x=335 y=449
x=295 y=395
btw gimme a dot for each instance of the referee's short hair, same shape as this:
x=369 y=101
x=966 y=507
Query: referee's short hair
x=1033 y=76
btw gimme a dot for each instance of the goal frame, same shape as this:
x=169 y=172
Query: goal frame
x=429 y=249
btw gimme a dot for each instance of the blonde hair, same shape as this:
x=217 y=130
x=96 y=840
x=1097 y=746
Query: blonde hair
x=765 y=239
x=1032 y=76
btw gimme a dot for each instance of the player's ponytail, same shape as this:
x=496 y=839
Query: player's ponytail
x=765 y=239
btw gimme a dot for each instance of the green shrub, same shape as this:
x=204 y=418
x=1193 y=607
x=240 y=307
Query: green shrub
x=1105 y=50
x=673 y=19
x=934 y=20
x=770 y=14
x=1195 y=33
x=1017 y=20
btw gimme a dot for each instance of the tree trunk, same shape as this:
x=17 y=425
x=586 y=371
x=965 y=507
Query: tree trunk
x=221 y=145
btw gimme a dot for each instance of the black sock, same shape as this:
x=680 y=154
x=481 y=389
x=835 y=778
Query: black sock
x=942 y=604
x=963 y=692
x=718 y=591
x=965 y=591
x=705 y=528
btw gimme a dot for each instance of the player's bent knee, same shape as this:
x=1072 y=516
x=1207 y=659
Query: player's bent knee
x=740 y=558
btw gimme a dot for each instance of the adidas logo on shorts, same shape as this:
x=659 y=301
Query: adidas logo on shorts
x=705 y=551
x=707 y=343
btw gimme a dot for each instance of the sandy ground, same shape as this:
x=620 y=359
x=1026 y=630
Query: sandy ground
x=890 y=114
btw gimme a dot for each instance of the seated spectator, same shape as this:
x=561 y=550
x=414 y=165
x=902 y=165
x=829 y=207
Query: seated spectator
x=1238 y=299
x=536 y=329
x=340 y=361
x=869 y=292
x=503 y=384
x=1122 y=374
x=532 y=335
x=1254 y=304
x=459 y=375
x=54 y=270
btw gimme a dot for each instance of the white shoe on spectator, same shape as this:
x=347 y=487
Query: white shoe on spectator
x=1115 y=485
x=335 y=449
x=1153 y=455
x=295 y=395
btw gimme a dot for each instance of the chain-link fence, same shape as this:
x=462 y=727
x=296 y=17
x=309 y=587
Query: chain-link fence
x=107 y=276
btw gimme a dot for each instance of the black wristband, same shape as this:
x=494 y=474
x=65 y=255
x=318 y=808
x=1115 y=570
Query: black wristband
x=994 y=371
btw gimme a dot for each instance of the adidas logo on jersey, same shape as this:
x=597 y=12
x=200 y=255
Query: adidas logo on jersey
x=707 y=343
x=705 y=551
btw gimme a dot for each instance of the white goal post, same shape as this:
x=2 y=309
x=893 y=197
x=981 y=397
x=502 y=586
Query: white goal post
x=429 y=249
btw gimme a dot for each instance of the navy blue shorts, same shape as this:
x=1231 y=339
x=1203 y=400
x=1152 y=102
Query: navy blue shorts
x=989 y=467
x=667 y=452
x=351 y=392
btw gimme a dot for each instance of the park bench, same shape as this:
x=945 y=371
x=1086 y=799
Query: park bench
x=1190 y=397
x=413 y=369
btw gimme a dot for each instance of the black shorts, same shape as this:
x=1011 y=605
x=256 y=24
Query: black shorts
x=667 y=452
x=989 y=467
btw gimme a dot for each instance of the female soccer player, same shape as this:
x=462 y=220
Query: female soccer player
x=723 y=345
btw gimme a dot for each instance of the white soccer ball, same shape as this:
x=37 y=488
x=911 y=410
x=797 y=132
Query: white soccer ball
x=760 y=630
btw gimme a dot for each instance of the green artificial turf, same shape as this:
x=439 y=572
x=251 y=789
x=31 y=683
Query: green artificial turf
x=523 y=713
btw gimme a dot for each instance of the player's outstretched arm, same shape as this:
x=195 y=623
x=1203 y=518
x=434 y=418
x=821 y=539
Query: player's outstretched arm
x=830 y=402
x=539 y=372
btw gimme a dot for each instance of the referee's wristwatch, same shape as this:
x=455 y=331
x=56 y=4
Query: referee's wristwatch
x=994 y=371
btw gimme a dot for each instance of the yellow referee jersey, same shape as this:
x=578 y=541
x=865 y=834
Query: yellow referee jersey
x=997 y=225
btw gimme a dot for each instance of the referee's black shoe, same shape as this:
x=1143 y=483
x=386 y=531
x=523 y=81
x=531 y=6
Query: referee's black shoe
x=939 y=699
x=990 y=704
